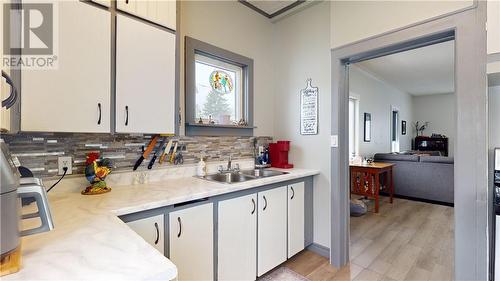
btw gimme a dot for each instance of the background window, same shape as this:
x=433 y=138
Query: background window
x=353 y=126
x=218 y=91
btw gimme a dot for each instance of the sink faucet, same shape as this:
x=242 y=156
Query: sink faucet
x=229 y=163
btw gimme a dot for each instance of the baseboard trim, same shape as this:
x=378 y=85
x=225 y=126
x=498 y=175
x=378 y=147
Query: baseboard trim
x=419 y=199
x=320 y=250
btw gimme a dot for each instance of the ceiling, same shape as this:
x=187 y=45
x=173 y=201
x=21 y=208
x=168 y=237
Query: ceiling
x=272 y=8
x=423 y=71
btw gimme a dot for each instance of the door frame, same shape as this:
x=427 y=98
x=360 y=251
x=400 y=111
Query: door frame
x=472 y=198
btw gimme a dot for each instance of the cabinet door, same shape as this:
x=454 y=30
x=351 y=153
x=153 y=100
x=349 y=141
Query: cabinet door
x=162 y=12
x=75 y=96
x=271 y=231
x=295 y=218
x=152 y=230
x=493 y=26
x=191 y=242
x=237 y=238
x=145 y=78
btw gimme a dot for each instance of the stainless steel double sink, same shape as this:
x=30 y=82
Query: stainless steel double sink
x=242 y=176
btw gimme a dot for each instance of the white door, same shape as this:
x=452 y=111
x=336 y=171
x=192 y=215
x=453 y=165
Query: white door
x=271 y=230
x=237 y=238
x=145 y=78
x=4 y=87
x=162 y=12
x=75 y=95
x=152 y=230
x=296 y=240
x=191 y=242
x=493 y=26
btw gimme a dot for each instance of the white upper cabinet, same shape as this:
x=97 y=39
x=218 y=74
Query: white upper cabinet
x=493 y=26
x=145 y=78
x=271 y=230
x=191 y=242
x=75 y=96
x=237 y=238
x=151 y=229
x=296 y=241
x=162 y=12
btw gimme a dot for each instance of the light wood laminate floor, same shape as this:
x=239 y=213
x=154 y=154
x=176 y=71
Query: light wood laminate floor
x=407 y=240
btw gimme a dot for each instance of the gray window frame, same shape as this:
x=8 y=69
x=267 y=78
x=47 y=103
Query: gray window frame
x=193 y=47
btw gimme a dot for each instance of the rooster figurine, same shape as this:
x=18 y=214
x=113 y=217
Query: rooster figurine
x=96 y=170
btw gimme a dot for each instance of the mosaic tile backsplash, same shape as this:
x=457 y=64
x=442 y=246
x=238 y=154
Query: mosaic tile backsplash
x=39 y=151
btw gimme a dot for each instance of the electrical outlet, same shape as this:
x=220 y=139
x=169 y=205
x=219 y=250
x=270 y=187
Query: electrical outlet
x=65 y=161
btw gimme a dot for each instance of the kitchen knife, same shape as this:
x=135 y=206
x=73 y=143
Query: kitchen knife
x=166 y=151
x=146 y=152
x=157 y=152
x=172 y=157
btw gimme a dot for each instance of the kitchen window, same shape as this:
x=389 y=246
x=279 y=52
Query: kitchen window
x=219 y=91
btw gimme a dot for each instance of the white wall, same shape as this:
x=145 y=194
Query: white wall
x=302 y=51
x=378 y=97
x=232 y=26
x=355 y=20
x=439 y=111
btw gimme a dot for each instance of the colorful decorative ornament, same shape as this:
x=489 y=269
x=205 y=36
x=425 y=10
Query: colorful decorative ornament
x=96 y=170
x=221 y=82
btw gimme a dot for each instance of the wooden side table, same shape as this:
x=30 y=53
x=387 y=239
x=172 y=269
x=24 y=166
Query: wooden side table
x=365 y=180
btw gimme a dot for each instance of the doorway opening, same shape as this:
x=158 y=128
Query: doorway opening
x=401 y=170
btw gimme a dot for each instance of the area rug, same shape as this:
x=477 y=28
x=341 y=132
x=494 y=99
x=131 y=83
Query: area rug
x=283 y=274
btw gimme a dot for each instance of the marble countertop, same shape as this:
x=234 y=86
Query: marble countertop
x=89 y=241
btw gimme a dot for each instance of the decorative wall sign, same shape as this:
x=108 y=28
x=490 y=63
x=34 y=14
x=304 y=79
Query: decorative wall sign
x=403 y=127
x=368 y=127
x=309 y=109
x=221 y=82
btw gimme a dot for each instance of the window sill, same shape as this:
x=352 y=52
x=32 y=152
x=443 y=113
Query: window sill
x=193 y=129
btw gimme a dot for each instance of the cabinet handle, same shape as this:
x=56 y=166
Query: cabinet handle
x=180 y=227
x=126 y=1
x=293 y=192
x=254 y=206
x=99 y=120
x=126 y=115
x=157 y=233
x=265 y=203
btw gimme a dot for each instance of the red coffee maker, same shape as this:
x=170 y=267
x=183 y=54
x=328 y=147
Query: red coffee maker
x=278 y=152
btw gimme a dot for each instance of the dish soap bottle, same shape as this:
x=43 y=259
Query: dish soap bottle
x=202 y=168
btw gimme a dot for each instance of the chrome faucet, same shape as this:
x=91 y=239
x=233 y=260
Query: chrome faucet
x=229 y=168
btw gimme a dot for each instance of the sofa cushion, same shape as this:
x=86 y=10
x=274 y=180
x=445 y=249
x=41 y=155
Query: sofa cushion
x=437 y=159
x=395 y=157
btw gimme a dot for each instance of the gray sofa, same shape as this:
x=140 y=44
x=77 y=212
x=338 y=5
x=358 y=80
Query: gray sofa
x=423 y=177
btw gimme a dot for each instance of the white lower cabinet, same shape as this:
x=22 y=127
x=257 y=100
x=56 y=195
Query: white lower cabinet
x=191 y=242
x=237 y=238
x=151 y=229
x=272 y=229
x=295 y=218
